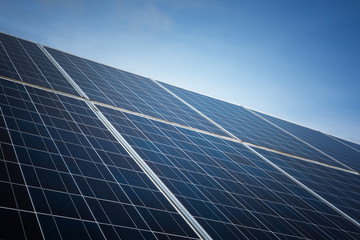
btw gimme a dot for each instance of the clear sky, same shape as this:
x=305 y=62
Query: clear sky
x=295 y=59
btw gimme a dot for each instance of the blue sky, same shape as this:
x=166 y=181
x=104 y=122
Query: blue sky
x=298 y=60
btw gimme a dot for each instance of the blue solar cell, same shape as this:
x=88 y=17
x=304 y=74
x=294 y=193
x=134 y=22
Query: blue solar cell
x=129 y=91
x=16 y=208
x=336 y=149
x=23 y=60
x=248 y=127
x=73 y=177
x=224 y=192
x=338 y=187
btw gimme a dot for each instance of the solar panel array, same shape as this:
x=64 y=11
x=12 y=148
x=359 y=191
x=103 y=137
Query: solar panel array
x=88 y=151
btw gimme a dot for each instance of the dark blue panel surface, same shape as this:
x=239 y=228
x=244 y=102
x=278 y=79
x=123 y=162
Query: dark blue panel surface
x=340 y=188
x=82 y=182
x=25 y=58
x=341 y=152
x=353 y=145
x=129 y=91
x=230 y=191
x=16 y=208
x=248 y=127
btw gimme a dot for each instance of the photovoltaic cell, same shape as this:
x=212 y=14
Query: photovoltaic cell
x=18 y=218
x=325 y=143
x=82 y=182
x=340 y=188
x=230 y=191
x=129 y=91
x=248 y=127
x=25 y=58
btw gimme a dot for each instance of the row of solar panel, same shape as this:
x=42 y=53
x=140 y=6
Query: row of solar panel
x=264 y=130
x=64 y=168
x=25 y=61
x=185 y=171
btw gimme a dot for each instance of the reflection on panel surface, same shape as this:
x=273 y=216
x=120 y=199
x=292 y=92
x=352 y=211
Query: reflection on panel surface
x=23 y=60
x=82 y=182
x=230 y=191
x=129 y=91
x=325 y=143
x=248 y=127
x=340 y=188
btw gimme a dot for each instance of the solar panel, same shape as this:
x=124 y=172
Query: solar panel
x=248 y=127
x=23 y=60
x=88 y=151
x=340 y=188
x=129 y=91
x=228 y=189
x=323 y=142
x=18 y=218
x=82 y=182
x=353 y=145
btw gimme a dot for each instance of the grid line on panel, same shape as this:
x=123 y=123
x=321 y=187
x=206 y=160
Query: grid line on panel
x=308 y=144
x=216 y=181
x=341 y=189
x=178 y=125
x=22 y=174
x=41 y=87
x=153 y=177
x=83 y=220
x=7 y=55
x=270 y=162
x=305 y=187
x=66 y=165
x=27 y=188
x=106 y=166
x=57 y=65
x=31 y=63
x=41 y=97
x=149 y=142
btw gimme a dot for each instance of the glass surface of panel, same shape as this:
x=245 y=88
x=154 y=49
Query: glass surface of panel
x=336 y=149
x=248 y=127
x=129 y=91
x=353 y=145
x=231 y=192
x=18 y=219
x=82 y=182
x=340 y=188
x=25 y=58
